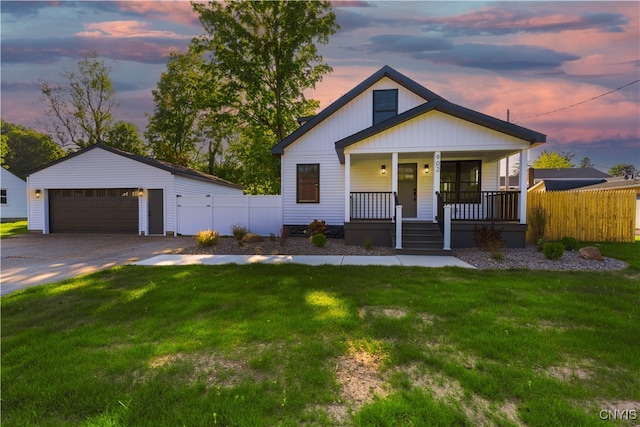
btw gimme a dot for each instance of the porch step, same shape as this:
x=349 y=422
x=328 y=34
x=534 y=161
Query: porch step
x=421 y=238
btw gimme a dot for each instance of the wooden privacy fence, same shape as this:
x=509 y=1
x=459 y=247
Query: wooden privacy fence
x=593 y=216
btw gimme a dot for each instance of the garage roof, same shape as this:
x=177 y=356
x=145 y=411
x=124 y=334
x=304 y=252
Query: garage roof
x=174 y=169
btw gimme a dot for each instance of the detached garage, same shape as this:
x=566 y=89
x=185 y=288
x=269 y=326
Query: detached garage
x=101 y=189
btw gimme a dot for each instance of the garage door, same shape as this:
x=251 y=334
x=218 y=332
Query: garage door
x=104 y=210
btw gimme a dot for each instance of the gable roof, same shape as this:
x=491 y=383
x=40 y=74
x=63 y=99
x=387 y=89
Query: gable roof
x=451 y=109
x=169 y=167
x=569 y=173
x=383 y=72
x=433 y=102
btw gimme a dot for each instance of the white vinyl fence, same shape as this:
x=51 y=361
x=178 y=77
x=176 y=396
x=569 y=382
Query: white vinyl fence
x=258 y=214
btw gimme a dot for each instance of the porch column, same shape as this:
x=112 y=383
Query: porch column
x=506 y=174
x=524 y=160
x=394 y=172
x=347 y=187
x=436 y=183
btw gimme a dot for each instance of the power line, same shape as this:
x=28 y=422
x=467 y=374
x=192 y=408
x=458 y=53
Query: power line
x=582 y=102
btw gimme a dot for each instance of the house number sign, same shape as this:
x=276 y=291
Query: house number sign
x=438 y=163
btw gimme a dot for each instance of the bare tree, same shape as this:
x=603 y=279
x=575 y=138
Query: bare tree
x=81 y=110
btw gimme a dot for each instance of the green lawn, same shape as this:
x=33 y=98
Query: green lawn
x=290 y=345
x=9 y=229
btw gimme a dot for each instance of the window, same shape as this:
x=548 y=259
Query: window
x=308 y=183
x=460 y=181
x=3 y=196
x=385 y=104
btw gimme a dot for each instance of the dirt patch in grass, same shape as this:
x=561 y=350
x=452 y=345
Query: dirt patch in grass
x=393 y=312
x=215 y=369
x=476 y=408
x=579 y=369
x=358 y=375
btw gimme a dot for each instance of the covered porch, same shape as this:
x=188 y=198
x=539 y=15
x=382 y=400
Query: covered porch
x=432 y=200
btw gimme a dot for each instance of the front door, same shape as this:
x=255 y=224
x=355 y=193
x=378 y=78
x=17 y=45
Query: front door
x=156 y=212
x=408 y=189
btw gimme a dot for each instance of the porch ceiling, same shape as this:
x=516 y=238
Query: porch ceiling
x=485 y=155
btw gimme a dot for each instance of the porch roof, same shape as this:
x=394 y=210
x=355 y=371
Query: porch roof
x=449 y=108
x=385 y=71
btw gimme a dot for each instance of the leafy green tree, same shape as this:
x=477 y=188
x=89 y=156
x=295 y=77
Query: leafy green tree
x=586 y=163
x=124 y=136
x=25 y=149
x=4 y=147
x=267 y=54
x=622 y=169
x=81 y=109
x=191 y=112
x=551 y=160
x=257 y=169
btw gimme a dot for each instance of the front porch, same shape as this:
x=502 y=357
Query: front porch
x=458 y=191
x=378 y=217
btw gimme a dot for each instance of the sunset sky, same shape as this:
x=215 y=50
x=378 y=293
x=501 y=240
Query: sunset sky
x=534 y=59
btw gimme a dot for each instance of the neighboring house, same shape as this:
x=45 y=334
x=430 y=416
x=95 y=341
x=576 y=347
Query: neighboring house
x=101 y=189
x=558 y=179
x=391 y=142
x=13 y=197
x=564 y=184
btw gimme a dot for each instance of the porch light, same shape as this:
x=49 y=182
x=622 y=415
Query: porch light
x=383 y=169
x=426 y=168
x=140 y=192
x=38 y=192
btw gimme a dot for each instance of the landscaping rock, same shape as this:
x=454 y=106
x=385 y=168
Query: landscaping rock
x=252 y=238
x=591 y=252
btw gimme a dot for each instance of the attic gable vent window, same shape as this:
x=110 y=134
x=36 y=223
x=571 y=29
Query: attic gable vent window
x=385 y=104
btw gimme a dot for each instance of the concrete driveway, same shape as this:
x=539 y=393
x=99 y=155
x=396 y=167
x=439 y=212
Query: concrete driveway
x=34 y=259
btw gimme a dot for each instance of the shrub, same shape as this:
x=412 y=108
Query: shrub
x=538 y=222
x=319 y=240
x=553 y=250
x=497 y=256
x=368 y=243
x=570 y=243
x=318 y=227
x=238 y=231
x=206 y=238
x=488 y=238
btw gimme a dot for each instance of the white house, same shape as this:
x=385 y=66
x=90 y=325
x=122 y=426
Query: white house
x=13 y=197
x=101 y=189
x=385 y=159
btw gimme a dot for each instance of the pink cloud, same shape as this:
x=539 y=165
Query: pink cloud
x=172 y=11
x=125 y=29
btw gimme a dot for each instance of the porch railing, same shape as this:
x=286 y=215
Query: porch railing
x=480 y=205
x=372 y=205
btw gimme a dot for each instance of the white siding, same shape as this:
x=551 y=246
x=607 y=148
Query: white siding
x=415 y=141
x=366 y=176
x=331 y=206
x=98 y=168
x=318 y=146
x=352 y=118
x=435 y=131
x=16 y=189
x=490 y=176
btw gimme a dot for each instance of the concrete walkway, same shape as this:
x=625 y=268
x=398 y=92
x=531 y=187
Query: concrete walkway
x=404 y=260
